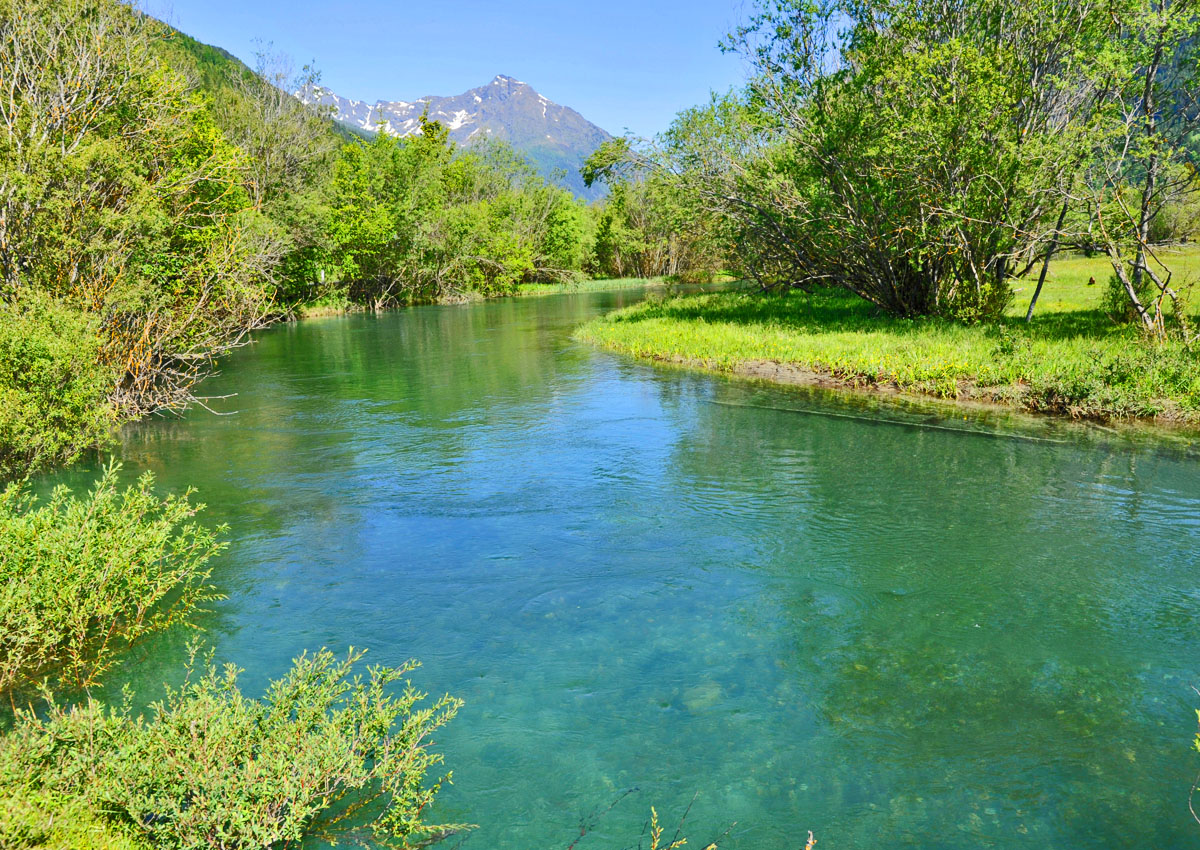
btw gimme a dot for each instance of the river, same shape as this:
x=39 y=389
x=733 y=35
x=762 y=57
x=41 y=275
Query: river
x=894 y=626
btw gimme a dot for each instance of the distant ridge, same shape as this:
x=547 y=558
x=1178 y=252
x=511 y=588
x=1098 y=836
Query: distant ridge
x=554 y=137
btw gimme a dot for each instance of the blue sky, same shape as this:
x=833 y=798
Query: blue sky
x=623 y=64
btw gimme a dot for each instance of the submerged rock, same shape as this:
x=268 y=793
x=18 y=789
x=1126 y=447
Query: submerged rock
x=702 y=696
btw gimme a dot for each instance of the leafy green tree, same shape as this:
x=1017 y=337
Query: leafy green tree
x=176 y=201
x=929 y=163
x=122 y=198
x=646 y=227
x=418 y=219
x=1141 y=162
x=564 y=245
x=916 y=153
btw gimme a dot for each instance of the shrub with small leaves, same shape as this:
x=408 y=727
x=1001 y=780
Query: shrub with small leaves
x=42 y=821
x=53 y=388
x=82 y=579
x=324 y=754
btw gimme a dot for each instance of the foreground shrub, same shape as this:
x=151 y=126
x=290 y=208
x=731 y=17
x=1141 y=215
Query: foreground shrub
x=83 y=579
x=41 y=821
x=53 y=392
x=323 y=754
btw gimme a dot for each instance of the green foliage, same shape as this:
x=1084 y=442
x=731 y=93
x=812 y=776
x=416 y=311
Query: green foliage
x=212 y=69
x=288 y=148
x=599 y=285
x=1117 y=303
x=646 y=227
x=39 y=820
x=121 y=197
x=1142 y=181
x=174 y=200
x=564 y=244
x=1177 y=221
x=416 y=219
x=53 y=388
x=82 y=579
x=923 y=155
x=910 y=152
x=323 y=754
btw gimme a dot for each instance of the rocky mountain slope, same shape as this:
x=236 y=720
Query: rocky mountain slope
x=556 y=138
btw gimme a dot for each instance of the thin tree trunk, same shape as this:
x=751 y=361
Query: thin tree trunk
x=1062 y=217
x=1148 y=189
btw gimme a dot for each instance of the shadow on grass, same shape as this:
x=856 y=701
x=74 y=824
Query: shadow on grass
x=1070 y=324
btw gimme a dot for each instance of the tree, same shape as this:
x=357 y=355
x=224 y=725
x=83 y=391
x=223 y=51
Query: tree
x=121 y=197
x=419 y=219
x=646 y=227
x=914 y=152
x=1141 y=157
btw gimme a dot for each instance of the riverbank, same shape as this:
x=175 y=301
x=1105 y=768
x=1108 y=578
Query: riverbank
x=337 y=303
x=1072 y=360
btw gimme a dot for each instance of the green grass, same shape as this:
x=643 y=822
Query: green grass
x=32 y=820
x=334 y=301
x=588 y=285
x=1073 y=359
x=1067 y=287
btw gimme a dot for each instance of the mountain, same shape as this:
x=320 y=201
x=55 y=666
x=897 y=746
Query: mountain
x=553 y=137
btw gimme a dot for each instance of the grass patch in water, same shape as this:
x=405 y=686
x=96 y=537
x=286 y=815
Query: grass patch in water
x=332 y=302
x=1073 y=359
x=588 y=285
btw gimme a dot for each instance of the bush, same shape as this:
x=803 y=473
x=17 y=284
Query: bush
x=322 y=754
x=41 y=821
x=53 y=390
x=1176 y=221
x=1116 y=301
x=83 y=579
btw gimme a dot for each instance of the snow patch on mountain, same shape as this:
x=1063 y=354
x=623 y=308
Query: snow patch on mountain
x=554 y=137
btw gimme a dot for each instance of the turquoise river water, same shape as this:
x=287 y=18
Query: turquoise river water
x=893 y=625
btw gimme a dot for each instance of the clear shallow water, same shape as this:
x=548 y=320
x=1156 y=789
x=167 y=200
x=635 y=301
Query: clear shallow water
x=930 y=631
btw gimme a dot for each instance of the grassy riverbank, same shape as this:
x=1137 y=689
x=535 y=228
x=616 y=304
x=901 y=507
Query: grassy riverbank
x=1072 y=360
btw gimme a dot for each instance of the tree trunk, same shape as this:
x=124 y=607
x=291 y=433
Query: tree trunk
x=1062 y=217
x=1134 y=283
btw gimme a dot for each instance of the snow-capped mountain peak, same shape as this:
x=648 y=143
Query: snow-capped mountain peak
x=555 y=137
